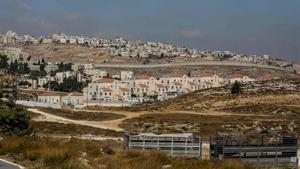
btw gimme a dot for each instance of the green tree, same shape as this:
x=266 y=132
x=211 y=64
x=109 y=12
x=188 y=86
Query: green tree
x=4 y=62
x=68 y=85
x=14 y=119
x=236 y=88
x=13 y=67
x=63 y=67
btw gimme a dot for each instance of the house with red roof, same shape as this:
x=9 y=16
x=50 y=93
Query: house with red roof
x=240 y=78
x=51 y=97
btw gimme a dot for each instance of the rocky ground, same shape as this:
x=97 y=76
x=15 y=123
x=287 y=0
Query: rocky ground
x=262 y=107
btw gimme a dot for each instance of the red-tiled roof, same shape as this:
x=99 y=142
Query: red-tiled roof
x=222 y=82
x=119 y=96
x=53 y=94
x=124 y=89
x=106 y=89
x=106 y=80
x=205 y=74
x=143 y=85
x=160 y=86
x=177 y=83
x=192 y=83
x=208 y=83
x=268 y=77
x=143 y=77
x=76 y=94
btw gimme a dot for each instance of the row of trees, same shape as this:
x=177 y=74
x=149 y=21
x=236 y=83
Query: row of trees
x=18 y=68
x=3 y=62
x=21 y=68
x=68 y=85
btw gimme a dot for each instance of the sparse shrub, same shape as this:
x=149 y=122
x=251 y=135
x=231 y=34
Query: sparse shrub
x=107 y=150
x=132 y=154
x=56 y=159
x=236 y=88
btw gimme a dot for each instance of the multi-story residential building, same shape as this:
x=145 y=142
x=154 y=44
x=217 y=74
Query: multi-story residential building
x=60 y=76
x=107 y=89
x=142 y=87
x=74 y=98
x=240 y=78
x=125 y=75
x=51 y=97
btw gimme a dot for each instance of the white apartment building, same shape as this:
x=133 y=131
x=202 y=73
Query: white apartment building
x=74 y=98
x=51 y=97
x=144 y=87
x=125 y=75
x=240 y=78
x=107 y=89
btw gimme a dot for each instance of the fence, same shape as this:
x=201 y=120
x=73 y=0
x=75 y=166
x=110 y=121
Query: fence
x=185 y=144
x=265 y=150
x=38 y=104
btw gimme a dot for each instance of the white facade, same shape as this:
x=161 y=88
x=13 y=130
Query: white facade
x=125 y=75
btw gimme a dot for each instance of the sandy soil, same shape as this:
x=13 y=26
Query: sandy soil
x=114 y=124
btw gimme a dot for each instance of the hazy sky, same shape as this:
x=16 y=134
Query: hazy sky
x=247 y=26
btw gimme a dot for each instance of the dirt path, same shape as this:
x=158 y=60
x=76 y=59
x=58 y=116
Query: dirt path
x=58 y=119
x=114 y=124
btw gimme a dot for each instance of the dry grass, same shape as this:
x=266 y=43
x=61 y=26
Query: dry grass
x=70 y=129
x=33 y=152
x=81 y=115
x=52 y=153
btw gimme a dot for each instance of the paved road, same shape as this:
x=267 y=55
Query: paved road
x=8 y=165
x=204 y=63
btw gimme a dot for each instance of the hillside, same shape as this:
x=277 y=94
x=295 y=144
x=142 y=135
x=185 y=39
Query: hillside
x=262 y=107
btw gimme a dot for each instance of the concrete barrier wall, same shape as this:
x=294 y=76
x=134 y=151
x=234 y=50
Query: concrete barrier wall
x=298 y=156
x=37 y=104
x=79 y=106
x=106 y=104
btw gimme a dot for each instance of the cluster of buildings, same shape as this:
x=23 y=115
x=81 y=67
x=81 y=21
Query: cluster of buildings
x=123 y=88
x=125 y=48
x=127 y=88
